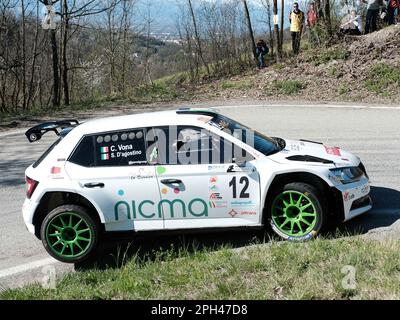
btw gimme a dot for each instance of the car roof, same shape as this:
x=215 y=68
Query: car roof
x=160 y=118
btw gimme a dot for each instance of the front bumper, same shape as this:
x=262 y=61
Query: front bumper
x=356 y=198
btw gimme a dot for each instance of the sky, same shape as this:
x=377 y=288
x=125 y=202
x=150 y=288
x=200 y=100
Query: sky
x=164 y=12
x=167 y=11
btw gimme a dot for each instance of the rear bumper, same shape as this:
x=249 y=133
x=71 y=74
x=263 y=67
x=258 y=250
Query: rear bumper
x=28 y=210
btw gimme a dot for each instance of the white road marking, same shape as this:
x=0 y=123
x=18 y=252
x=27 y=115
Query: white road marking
x=309 y=106
x=26 y=267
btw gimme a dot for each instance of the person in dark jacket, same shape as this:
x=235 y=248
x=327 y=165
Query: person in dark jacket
x=372 y=14
x=393 y=5
x=261 y=51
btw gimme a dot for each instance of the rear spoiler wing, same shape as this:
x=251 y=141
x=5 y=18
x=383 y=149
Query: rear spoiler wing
x=36 y=132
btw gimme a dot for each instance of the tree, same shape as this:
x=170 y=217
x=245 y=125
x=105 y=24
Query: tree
x=267 y=6
x=196 y=34
x=327 y=16
x=282 y=27
x=55 y=63
x=251 y=33
x=277 y=34
x=74 y=11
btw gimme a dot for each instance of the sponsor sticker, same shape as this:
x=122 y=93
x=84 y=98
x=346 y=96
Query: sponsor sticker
x=365 y=189
x=248 y=213
x=294 y=147
x=216 y=167
x=218 y=204
x=347 y=196
x=233 y=213
x=335 y=151
x=242 y=203
x=169 y=209
x=215 y=195
x=213 y=188
x=204 y=119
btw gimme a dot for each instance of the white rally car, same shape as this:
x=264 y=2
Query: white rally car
x=180 y=170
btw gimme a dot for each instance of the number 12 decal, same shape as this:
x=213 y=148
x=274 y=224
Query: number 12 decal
x=243 y=193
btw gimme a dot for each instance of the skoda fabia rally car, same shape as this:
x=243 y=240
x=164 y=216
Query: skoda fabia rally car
x=180 y=170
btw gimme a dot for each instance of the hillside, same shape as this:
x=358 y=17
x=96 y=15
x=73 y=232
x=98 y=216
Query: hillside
x=358 y=69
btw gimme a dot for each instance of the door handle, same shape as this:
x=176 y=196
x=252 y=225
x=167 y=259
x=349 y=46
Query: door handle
x=171 y=181
x=94 y=185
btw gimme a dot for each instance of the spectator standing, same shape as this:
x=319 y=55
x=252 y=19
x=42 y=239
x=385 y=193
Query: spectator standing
x=311 y=22
x=261 y=51
x=372 y=14
x=393 y=5
x=296 y=19
x=311 y=15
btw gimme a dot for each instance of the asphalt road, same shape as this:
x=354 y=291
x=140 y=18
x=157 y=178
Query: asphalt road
x=371 y=132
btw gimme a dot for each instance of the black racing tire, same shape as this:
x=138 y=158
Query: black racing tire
x=304 y=217
x=70 y=234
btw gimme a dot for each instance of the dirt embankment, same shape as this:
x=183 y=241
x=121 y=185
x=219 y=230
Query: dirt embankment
x=356 y=69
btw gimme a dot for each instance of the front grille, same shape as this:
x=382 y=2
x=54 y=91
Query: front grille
x=362 y=202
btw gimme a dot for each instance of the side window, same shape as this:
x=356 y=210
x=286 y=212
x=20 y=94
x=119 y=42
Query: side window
x=189 y=145
x=196 y=146
x=84 y=153
x=123 y=148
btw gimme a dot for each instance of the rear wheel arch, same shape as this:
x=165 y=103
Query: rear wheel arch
x=54 y=199
x=332 y=196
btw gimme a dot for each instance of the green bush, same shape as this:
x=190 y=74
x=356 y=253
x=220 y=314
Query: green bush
x=156 y=92
x=278 y=66
x=381 y=77
x=288 y=86
x=324 y=56
x=237 y=85
x=333 y=71
x=343 y=89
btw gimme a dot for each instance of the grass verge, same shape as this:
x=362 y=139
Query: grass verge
x=381 y=78
x=276 y=270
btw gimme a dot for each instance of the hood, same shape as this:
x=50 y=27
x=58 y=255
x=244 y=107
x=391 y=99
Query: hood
x=315 y=153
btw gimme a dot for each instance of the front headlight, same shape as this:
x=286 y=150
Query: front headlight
x=347 y=175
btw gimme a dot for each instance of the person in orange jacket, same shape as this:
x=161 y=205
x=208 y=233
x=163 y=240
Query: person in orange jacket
x=311 y=21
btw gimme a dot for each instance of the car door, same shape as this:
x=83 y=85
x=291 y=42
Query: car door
x=111 y=170
x=201 y=185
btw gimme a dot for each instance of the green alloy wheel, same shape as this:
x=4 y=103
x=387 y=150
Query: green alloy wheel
x=296 y=212
x=69 y=234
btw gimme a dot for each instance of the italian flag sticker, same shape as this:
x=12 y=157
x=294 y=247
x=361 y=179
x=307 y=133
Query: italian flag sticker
x=105 y=156
x=104 y=153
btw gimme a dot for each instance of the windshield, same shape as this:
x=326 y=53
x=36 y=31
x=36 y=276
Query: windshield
x=262 y=143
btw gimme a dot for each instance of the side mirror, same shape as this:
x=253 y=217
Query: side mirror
x=240 y=161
